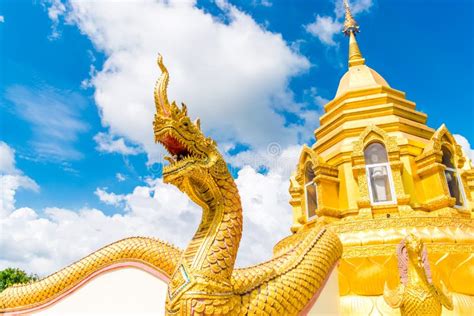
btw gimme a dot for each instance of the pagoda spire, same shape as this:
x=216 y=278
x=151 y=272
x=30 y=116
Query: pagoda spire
x=351 y=28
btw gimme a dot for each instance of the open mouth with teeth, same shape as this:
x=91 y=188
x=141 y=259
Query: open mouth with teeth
x=182 y=152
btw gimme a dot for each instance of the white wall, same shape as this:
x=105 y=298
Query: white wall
x=125 y=291
x=327 y=303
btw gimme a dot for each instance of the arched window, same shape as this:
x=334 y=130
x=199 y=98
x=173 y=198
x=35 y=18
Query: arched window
x=379 y=175
x=452 y=177
x=310 y=191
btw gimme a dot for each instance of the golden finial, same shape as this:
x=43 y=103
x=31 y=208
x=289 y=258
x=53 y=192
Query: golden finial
x=350 y=24
x=351 y=28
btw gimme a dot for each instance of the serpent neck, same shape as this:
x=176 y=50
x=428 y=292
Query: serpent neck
x=416 y=272
x=212 y=252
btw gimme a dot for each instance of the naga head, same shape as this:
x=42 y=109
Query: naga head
x=415 y=249
x=192 y=156
x=411 y=250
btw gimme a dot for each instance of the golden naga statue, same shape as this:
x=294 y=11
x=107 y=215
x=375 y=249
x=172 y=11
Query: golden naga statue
x=202 y=278
x=205 y=281
x=416 y=294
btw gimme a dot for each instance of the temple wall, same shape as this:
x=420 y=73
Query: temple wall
x=327 y=303
x=124 y=291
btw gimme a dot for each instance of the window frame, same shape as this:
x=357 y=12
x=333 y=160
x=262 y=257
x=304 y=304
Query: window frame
x=460 y=186
x=307 y=183
x=457 y=177
x=306 y=199
x=389 y=175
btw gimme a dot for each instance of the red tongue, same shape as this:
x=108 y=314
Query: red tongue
x=173 y=146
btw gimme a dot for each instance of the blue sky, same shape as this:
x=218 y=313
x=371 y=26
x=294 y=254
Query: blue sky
x=62 y=72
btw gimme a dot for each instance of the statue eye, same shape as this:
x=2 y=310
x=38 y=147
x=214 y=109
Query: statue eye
x=185 y=124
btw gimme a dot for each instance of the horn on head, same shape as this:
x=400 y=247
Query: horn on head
x=161 y=96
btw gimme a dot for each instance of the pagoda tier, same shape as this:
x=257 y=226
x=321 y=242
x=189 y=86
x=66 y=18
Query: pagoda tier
x=364 y=98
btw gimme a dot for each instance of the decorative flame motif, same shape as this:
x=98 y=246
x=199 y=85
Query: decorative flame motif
x=161 y=95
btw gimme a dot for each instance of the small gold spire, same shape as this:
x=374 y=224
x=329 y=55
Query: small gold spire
x=351 y=28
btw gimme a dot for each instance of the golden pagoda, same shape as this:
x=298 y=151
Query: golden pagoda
x=376 y=174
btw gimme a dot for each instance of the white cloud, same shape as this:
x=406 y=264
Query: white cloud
x=2 y=19
x=319 y=100
x=120 y=177
x=263 y=3
x=466 y=146
x=7 y=159
x=326 y=27
x=107 y=143
x=55 y=9
x=54 y=119
x=39 y=241
x=109 y=198
x=233 y=74
x=11 y=179
x=9 y=185
x=267 y=214
x=357 y=6
x=313 y=94
x=275 y=159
